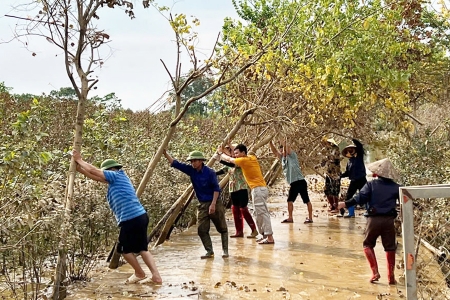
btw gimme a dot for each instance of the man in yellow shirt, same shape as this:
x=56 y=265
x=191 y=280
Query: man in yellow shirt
x=254 y=177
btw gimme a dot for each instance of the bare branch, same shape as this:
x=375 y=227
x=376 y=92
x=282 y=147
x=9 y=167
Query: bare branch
x=92 y=84
x=260 y=123
x=414 y=118
x=31 y=20
x=194 y=75
x=168 y=72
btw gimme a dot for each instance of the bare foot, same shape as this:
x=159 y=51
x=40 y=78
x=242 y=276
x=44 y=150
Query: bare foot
x=157 y=279
x=266 y=241
x=134 y=279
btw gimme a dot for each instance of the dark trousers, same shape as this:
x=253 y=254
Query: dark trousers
x=380 y=226
x=355 y=185
x=239 y=198
x=298 y=187
x=204 y=222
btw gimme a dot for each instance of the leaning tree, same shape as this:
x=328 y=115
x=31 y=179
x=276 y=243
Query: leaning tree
x=71 y=26
x=344 y=69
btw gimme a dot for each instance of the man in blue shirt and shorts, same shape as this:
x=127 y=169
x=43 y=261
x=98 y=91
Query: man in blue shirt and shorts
x=206 y=187
x=129 y=213
x=295 y=178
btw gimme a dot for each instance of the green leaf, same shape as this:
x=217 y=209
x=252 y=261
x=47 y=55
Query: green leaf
x=45 y=157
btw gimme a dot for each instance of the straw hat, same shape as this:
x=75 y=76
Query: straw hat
x=349 y=148
x=332 y=142
x=329 y=141
x=383 y=168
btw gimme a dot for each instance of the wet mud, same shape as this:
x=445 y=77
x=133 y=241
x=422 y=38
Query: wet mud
x=322 y=260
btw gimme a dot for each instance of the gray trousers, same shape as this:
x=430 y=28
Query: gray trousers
x=262 y=216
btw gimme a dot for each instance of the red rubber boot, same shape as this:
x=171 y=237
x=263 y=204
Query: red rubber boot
x=238 y=222
x=371 y=258
x=248 y=218
x=390 y=257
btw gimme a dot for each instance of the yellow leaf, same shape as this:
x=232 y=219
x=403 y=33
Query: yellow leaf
x=366 y=24
x=373 y=98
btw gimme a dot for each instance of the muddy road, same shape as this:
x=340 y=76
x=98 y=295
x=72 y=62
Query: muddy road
x=322 y=260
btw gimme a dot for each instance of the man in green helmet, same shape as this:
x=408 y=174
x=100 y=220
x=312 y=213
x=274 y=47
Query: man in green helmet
x=206 y=187
x=130 y=215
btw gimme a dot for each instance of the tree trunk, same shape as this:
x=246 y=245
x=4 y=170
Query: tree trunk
x=275 y=175
x=114 y=258
x=272 y=173
x=163 y=226
x=179 y=216
x=59 y=291
x=154 y=161
x=173 y=214
x=179 y=205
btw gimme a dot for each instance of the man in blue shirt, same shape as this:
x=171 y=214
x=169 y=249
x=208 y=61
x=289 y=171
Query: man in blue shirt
x=129 y=212
x=206 y=187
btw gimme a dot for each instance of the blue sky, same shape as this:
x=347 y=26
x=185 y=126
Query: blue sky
x=133 y=71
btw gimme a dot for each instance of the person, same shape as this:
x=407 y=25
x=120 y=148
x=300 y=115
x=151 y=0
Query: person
x=295 y=179
x=355 y=171
x=259 y=191
x=129 y=213
x=332 y=164
x=239 y=196
x=381 y=196
x=206 y=187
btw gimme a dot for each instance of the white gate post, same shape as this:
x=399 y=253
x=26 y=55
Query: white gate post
x=408 y=244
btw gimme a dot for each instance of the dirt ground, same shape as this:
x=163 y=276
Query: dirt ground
x=323 y=260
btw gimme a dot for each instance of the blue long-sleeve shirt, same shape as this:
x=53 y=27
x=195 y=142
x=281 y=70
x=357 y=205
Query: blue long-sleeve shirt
x=205 y=181
x=355 y=168
x=381 y=194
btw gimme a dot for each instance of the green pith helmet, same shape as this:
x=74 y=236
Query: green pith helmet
x=110 y=163
x=195 y=155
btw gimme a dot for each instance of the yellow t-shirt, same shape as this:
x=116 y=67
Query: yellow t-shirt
x=251 y=170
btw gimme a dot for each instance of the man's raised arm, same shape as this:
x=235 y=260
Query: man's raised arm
x=168 y=157
x=274 y=150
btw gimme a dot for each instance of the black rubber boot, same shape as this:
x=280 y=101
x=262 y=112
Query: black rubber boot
x=224 y=237
x=207 y=243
